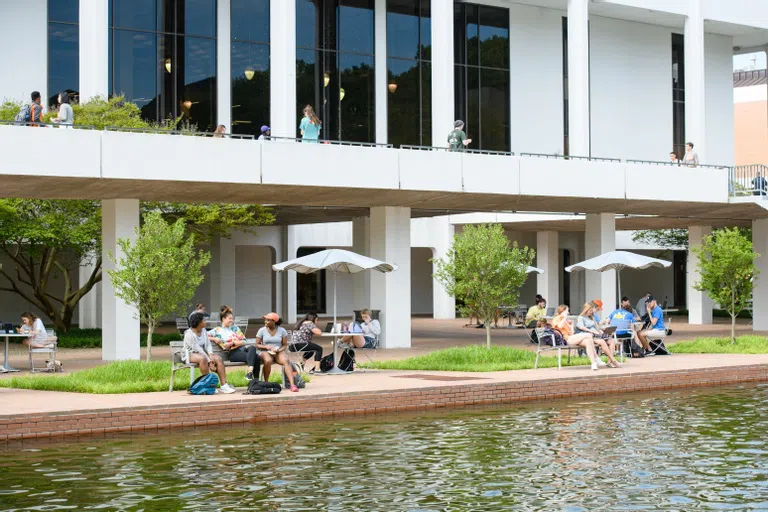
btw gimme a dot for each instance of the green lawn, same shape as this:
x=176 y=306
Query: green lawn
x=747 y=344
x=477 y=358
x=124 y=377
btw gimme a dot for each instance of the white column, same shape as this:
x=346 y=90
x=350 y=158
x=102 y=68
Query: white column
x=390 y=231
x=120 y=323
x=380 y=51
x=578 y=77
x=361 y=291
x=292 y=248
x=223 y=277
x=547 y=253
x=600 y=238
x=284 y=119
x=280 y=304
x=443 y=305
x=94 y=49
x=760 y=291
x=695 y=98
x=699 y=304
x=443 y=99
x=89 y=316
x=224 y=64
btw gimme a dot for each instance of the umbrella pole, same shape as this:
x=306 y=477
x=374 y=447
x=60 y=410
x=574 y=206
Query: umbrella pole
x=618 y=276
x=335 y=370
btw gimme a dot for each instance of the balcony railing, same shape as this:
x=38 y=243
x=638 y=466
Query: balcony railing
x=748 y=180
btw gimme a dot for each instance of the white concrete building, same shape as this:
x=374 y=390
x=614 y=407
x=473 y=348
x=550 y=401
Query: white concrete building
x=613 y=84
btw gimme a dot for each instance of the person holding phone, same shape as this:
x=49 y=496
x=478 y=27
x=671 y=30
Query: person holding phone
x=231 y=339
x=272 y=343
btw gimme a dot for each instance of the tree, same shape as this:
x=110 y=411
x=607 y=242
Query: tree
x=49 y=240
x=483 y=271
x=727 y=270
x=159 y=272
x=666 y=238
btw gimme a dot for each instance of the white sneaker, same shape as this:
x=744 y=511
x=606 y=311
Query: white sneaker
x=600 y=362
x=226 y=388
x=594 y=366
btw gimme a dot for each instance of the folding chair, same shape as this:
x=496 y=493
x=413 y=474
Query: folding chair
x=544 y=346
x=659 y=338
x=50 y=348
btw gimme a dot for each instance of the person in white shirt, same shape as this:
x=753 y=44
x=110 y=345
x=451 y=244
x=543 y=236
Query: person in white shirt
x=200 y=351
x=691 y=157
x=266 y=132
x=66 y=116
x=33 y=326
x=371 y=330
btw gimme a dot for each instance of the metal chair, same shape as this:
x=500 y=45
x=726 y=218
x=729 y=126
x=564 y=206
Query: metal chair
x=542 y=334
x=659 y=338
x=50 y=348
x=242 y=323
x=182 y=324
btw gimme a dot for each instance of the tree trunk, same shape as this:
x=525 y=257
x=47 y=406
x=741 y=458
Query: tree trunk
x=150 y=329
x=488 y=335
x=733 y=318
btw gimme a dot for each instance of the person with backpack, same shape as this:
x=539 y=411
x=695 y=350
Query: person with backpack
x=198 y=350
x=457 y=139
x=31 y=113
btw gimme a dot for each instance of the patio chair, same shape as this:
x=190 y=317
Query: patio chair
x=182 y=324
x=242 y=323
x=50 y=348
x=547 y=342
x=659 y=339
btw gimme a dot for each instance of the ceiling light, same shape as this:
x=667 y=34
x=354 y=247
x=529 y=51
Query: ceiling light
x=168 y=64
x=326 y=79
x=392 y=87
x=341 y=94
x=249 y=71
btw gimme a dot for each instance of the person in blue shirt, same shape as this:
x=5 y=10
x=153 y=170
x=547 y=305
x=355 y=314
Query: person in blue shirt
x=310 y=125
x=623 y=318
x=657 y=328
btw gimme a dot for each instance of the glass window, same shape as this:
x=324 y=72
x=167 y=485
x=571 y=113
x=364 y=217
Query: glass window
x=678 y=94
x=402 y=29
x=358 y=98
x=310 y=288
x=250 y=87
x=355 y=24
x=63 y=11
x=426 y=104
x=198 y=18
x=306 y=22
x=494 y=109
x=135 y=14
x=250 y=20
x=63 y=60
x=494 y=38
x=197 y=101
x=404 y=103
x=135 y=69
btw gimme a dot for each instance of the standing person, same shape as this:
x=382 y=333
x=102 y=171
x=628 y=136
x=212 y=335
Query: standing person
x=266 y=132
x=657 y=328
x=641 y=303
x=691 y=157
x=305 y=330
x=272 y=341
x=565 y=327
x=457 y=139
x=673 y=158
x=231 y=339
x=66 y=116
x=31 y=113
x=371 y=329
x=199 y=351
x=220 y=131
x=310 y=125
x=200 y=308
x=33 y=326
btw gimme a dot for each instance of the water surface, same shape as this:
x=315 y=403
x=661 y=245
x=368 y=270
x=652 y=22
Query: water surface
x=699 y=450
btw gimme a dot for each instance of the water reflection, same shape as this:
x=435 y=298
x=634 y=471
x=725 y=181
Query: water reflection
x=700 y=450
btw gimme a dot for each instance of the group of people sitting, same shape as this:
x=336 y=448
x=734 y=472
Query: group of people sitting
x=589 y=330
x=270 y=347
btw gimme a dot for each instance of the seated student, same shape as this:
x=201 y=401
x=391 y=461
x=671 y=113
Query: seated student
x=231 y=339
x=200 y=308
x=656 y=318
x=597 y=312
x=305 y=330
x=586 y=323
x=536 y=313
x=370 y=329
x=200 y=351
x=272 y=341
x=33 y=326
x=623 y=318
x=585 y=340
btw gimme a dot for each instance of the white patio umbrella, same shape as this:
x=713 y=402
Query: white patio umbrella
x=618 y=260
x=335 y=261
x=536 y=270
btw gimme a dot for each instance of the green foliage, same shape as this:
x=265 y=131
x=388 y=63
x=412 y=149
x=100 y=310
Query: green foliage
x=727 y=269
x=483 y=271
x=159 y=273
x=9 y=109
x=123 y=377
x=206 y=221
x=92 y=338
x=748 y=344
x=476 y=358
x=666 y=238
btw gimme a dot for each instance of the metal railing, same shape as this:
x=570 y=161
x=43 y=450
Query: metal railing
x=49 y=125
x=572 y=157
x=748 y=180
x=411 y=147
x=330 y=142
x=188 y=133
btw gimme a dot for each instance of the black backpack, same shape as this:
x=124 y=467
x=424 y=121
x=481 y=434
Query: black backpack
x=346 y=361
x=258 y=387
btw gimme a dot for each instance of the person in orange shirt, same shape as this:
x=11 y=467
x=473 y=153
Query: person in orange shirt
x=584 y=340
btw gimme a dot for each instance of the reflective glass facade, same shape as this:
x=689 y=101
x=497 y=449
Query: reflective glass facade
x=63 y=50
x=250 y=66
x=335 y=66
x=409 y=74
x=678 y=94
x=163 y=58
x=481 y=54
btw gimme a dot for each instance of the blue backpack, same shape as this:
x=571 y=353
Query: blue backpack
x=204 y=385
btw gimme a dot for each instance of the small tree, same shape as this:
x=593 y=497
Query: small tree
x=159 y=272
x=727 y=269
x=482 y=270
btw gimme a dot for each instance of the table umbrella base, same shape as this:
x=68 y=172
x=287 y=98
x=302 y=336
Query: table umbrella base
x=333 y=371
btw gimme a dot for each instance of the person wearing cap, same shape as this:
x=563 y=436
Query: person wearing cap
x=656 y=319
x=266 y=131
x=272 y=343
x=597 y=309
x=231 y=339
x=457 y=139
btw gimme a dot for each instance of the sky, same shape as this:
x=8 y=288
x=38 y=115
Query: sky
x=744 y=62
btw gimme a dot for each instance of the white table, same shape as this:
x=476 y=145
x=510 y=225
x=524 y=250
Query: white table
x=335 y=370
x=6 y=367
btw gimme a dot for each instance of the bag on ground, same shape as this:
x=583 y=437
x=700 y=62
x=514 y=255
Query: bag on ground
x=297 y=378
x=346 y=361
x=259 y=387
x=204 y=385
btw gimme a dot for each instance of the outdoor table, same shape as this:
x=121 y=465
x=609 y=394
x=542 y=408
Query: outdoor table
x=508 y=312
x=6 y=366
x=336 y=335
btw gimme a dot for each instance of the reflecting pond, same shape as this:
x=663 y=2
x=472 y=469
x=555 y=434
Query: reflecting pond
x=693 y=450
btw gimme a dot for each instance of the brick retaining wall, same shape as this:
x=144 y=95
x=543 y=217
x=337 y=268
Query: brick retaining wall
x=282 y=407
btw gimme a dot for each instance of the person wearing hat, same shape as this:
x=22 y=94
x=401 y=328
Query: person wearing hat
x=657 y=329
x=457 y=139
x=266 y=131
x=272 y=343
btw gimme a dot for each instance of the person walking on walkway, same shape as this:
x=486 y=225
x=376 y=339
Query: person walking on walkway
x=457 y=139
x=66 y=116
x=691 y=157
x=310 y=125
